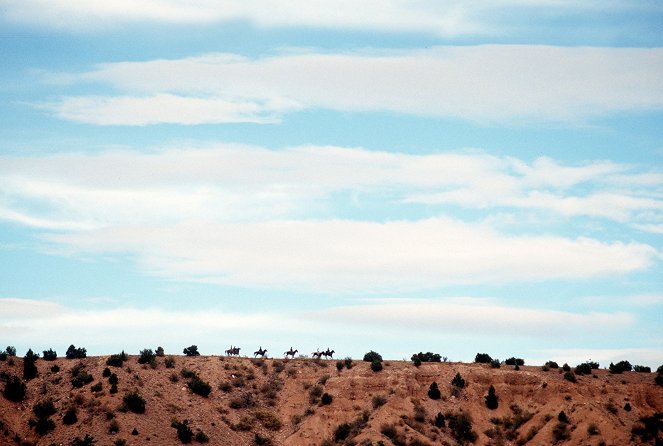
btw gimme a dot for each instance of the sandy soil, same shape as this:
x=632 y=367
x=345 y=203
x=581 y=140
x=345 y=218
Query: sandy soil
x=278 y=402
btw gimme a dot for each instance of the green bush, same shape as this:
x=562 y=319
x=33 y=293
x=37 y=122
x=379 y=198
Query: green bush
x=106 y=373
x=570 y=376
x=81 y=379
x=439 y=420
x=191 y=351
x=427 y=357
x=514 y=361
x=133 y=402
x=113 y=379
x=483 y=358
x=14 y=389
x=583 y=369
x=29 y=367
x=169 y=362
x=326 y=399
x=201 y=437
x=621 y=366
x=378 y=401
x=198 y=386
x=97 y=387
x=458 y=381
x=348 y=362
x=491 y=398
x=43 y=426
x=117 y=360
x=566 y=367
x=342 y=432
x=44 y=409
x=339 y=365
x=50 y=355
x=147 y=356
x=75 y=353
x=160 y=351
x=184 y=432
x=86 y=441
x=372 y=356
x=552 y=365
x=376 y=365
x=461 y=427
x=495 y=363
x=434 y=391
x=641 y=369
x=70 y=416
x=10 y=350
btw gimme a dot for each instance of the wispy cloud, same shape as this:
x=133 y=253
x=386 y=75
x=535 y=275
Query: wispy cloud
x=489 y=84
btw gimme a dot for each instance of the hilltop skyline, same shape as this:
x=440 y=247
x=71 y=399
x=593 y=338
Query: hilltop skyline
x=398 y=177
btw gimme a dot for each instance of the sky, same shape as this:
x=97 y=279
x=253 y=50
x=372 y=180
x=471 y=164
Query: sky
x=445 y=176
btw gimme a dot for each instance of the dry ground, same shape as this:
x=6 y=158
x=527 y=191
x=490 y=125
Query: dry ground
x=277 y=402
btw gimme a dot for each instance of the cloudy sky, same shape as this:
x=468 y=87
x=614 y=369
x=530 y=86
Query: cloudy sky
x=455 y=177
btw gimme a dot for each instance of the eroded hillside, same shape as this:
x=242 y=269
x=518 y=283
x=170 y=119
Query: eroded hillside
x=310 y=402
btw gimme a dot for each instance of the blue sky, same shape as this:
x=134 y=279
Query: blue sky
x=452 y=177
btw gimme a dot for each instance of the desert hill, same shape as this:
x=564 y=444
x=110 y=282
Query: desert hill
x=312 y=402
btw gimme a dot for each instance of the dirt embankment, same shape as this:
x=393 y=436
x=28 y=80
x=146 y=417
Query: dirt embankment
x=310 y=402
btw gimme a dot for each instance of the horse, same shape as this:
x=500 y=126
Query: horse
x=233 y=351
x=260 y=352
x=290 y=352
x=316 y=355
x=328 y=353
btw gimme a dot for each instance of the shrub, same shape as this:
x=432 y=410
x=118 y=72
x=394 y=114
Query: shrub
x=593 y=429
x=376 y=365
x=495 y=363
x=348 y=362
x=259 y=440
x=372 y=356
x=10 y=350
x=648 y=428
x=198 y=386
x=242 y=401
x=514 y=361
x=627 y=407
x=491 y=398
x=114 y=427
x=29 y=367
x=560 y=432
x=621 y=366
x=113 y=389
x=416 y=361
x=483 y=358
x=583 y=369
x=133 y=402
x=458 y=381
x=268 y=419
x=201 y=437
x=55 y=368
x=562 y=418
x=461 y=427
x=659 y=379
x=552 y=365
x=70 y=416
x=3 y=356
x=570 y=376
x=169 y=362
x=81 y=379
x=147 y=356
x=159 y=351
x=113 y=379
x=117 y=360
x=326 y=399
x=44 y=409
x=96 y=388
x=378 y=400
x=50 y=355
x=184 y=432
x=85 y=441
x=314 y=394
x=14 y=389
x=191 y=351
x=342 y=432
x=43 y=426
x=427 y=357
x=641 y=369
x=76 y=353
x=434 y=391
x=106 y=373
x=439 y=420
x=566 y=367
x=339 y=365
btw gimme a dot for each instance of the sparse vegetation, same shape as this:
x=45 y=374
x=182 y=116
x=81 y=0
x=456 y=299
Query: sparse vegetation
x=147 y=356
x=378 y=401
x=641 y=369
x=191 y=351
x=460 y=424
x=14 y=389
x=583 y=369
x=50 y=355
x=458 y=381
x=169 y=362
x=620 y=367
x=434 y=391
x=491 y=398
x=117 y=360
x=76 y=353
x=133 y=402
x=495 y=363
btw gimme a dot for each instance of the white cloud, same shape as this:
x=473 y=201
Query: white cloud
x=342 y=255
x=253 y=217
x=488 y=83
